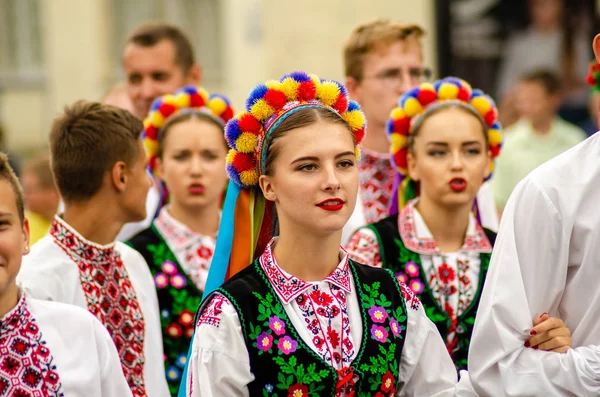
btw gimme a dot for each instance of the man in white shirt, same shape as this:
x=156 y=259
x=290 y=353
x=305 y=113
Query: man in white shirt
x=99 y=165
x=547 y=251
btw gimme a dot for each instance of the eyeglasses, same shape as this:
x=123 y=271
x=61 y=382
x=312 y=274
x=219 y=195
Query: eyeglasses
x=396 y=76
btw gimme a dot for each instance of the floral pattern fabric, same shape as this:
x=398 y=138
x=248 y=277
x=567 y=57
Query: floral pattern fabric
x=376 y=176
x=27 y=367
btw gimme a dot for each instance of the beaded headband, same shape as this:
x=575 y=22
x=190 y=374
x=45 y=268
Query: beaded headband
x=268 y=105
x=414 y=106
x=186 y=100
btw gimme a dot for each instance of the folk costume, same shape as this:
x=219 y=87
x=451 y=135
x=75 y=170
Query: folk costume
x=447 y=284
x=178 y=257
x=358 y=332
x=53 y=349
x=546 y=251
x=112 y=282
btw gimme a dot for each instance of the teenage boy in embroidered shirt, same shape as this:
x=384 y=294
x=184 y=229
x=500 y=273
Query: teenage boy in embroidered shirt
x=47 y=348
x=99 y=165
x=382 y=61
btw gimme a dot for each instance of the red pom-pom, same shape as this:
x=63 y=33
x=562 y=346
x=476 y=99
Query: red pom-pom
x=341 y=104
x=166 y=109
x=196 y=100
x=151 y=132
x=248 y=123
x=490 y=116
x=495 y=151
x=401 y=159
x=425 y=97
x=243 y=162
x=307 y=90
x=275 y=98
x=590 y=78
x=359 y=135
x=152 y=162
x=463 y=94
x=227 y=114
x=402 y=125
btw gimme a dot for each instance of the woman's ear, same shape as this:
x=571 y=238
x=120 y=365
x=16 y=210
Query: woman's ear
x=596 y=47
x=267 y=187
x=413 y=171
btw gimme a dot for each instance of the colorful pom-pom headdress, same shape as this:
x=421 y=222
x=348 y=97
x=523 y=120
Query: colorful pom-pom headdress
x=186 y=100
x=593 y=77
x=414 y=106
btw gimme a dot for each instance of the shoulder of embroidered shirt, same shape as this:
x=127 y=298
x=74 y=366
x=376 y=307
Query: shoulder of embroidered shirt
x=215 y=311
x=129 y=254
x=410 y=298
x=73 y=316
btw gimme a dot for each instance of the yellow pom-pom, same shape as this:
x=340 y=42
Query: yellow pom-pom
x=246 y=142
x=182 y=100
x=151 y=147
x=217 y=105
x=261 y=110
x=412 y=107
x=481 y=104
x=273 y=84
x=157 y=119
x=147 y=122
x=289 y=86
x=494 y=137
x=169 y=99
x=398 y=142
x=230 y=156
x=427 y=87
x=357 y=152
x=492 y=166
x=355 y=119
x=397 y=113
x=315 y=79
x=448 y=91
x=328 y=93
x=204 y=94
x=249 y=177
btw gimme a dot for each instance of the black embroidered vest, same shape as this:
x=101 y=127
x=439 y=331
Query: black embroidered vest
x=395 y=255
x=282 y=369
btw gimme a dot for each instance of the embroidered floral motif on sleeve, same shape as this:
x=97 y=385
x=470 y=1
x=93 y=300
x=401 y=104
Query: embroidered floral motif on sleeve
x=26 y=364
x=211 y=315
x=363 y=248
x=376 y=184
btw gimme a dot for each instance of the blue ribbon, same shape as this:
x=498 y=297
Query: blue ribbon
x=219 y=263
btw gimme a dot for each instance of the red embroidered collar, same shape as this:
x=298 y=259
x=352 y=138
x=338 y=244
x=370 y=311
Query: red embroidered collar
x=26 y=363
x=417 y=237
x=288 y=287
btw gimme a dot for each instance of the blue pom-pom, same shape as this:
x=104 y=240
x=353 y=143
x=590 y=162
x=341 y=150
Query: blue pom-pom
x=298 y=75
x=343 y=90
x=453 y=80
x=234 y=175
x=257 y=93
x=437 y=84
x=410 y=94
x=389 y=126
x=189 y=89
x=156 y=104
x=232 y=131
x=497 y=126
x=223 y=97
x=353 y=105
x=477 y=92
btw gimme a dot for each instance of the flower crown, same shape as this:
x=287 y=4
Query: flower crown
x=189 y=98
x=593 y=77
x=268 y=105
x=415 y=104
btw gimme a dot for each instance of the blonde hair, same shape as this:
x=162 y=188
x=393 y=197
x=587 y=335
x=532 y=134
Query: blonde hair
x=370 y=36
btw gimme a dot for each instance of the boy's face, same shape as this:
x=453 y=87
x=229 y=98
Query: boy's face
x=133 y=197
x=388 y=72
x=534 y=103
x=14 y=239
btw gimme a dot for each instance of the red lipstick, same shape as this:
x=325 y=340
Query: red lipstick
x=458 y=184
x=334 y=204
x=196 y=189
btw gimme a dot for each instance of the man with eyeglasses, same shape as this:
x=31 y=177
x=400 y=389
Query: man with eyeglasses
x=383 y=60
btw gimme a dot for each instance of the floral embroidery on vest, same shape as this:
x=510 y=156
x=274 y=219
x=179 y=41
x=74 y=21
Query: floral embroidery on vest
x=110 y=297
x=27 y=367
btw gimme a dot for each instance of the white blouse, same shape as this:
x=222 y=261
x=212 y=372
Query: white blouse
x=52 y=349
x=546 y=258
x=220 y=364
x=65 y=267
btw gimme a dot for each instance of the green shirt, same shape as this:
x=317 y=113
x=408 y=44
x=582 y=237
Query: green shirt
x=524 y=150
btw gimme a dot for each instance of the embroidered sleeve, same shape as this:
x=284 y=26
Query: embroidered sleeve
x=211 y=314
x=364 y=248
x=410 y=297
